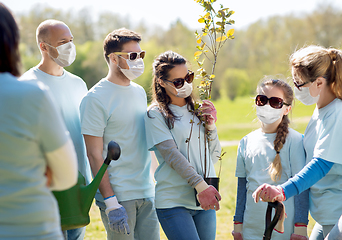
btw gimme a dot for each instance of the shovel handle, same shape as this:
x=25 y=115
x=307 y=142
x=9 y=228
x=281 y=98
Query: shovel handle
x=113 y=152
x=278 y=206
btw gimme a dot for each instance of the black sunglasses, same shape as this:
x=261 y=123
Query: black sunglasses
x=179 y=82
x=275 y=102
x=298 y=86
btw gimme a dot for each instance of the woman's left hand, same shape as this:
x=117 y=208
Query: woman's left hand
x=209 y=112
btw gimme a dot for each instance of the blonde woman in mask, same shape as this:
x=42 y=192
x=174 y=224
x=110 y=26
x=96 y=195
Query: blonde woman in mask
x=176 y=135
x=273 y=153
x=317 y=76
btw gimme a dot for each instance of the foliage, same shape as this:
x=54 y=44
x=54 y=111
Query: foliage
x=263 y=48
x=214 y=29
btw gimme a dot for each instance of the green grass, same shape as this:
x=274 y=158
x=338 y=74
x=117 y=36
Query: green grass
x=235 y=120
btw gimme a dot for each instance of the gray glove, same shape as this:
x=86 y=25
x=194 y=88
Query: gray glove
x=117 y=215
x=118 y=220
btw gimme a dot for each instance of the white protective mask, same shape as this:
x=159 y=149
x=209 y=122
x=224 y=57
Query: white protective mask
x=184 y=91
x=304 y=96
x=268 y=114
x=136 y=68
x=66 y=54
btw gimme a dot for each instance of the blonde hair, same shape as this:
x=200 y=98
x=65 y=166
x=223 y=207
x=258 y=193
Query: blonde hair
x=275 y=168
x=311 y=62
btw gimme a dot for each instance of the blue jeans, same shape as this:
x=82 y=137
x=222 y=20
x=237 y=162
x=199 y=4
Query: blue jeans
x=319 y=232
x=181 y=223
x=74 y=234
x=336 y=232
x=142 y=220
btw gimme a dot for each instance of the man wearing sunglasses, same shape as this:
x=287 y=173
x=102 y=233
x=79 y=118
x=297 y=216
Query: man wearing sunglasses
x=114 y=110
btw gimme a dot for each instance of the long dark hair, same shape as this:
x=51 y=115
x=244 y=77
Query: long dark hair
x=9 y=42
x=161 y=68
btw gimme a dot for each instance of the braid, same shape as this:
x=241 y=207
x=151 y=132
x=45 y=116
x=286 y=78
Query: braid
x=275 y=169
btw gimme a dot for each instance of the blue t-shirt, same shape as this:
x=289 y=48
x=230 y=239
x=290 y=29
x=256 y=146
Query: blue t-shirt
x=116 y=113
x=30 y=127
x=322 y=139
x=68 y=91
x=255 y=154
x=171 y=189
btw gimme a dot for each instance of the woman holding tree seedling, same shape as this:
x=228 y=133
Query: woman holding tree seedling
x=176 y=131
x=317 y=76
x=272 y=154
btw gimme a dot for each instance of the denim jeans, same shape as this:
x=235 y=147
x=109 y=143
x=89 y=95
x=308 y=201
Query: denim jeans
x=336 y=232
x=142 y=220
x=180 y=223
x=319 y=232
x=74 y=234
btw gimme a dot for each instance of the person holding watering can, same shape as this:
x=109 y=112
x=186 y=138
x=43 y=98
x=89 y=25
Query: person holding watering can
x=36 y=152
x=271 y=154
x=177 y=136
x=317 y=76
x=114 y=110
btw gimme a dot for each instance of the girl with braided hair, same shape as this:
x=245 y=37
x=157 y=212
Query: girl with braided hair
x=176 y=133
x=272 y=154
x=317 y=76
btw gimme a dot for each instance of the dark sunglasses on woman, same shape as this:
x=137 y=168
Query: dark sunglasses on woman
x=275 y=102
x=179 y=82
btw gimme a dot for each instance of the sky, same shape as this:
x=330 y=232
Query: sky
x=165 y=12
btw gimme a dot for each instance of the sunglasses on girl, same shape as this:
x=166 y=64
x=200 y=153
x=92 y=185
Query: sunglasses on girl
x=275 y=102
x=132 y=55
x=179 y=82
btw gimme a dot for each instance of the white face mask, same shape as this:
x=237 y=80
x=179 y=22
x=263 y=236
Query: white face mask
x=184 y=91
x=268 y=114
x=136 y=68
x=304 y=96
x=66 y=54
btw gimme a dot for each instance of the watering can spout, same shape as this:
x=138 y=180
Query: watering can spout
x=88 y=192
x=74 y=203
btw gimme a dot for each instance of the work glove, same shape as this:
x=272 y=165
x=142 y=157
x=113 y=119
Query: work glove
x=208 y=196
x=117 y=216
x=209 y=112
x=237 y=232
x=269 y=193
x=300 y=232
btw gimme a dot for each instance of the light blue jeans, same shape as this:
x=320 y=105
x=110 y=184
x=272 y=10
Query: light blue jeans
x=319 y=232
x=180 y=223
x=336 y=231
x=142 y=220
x=74 y=234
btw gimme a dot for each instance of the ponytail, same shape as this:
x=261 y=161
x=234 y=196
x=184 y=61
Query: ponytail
x=336 y=72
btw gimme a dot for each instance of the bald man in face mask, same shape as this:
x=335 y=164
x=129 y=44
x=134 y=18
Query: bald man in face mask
x=55 y=42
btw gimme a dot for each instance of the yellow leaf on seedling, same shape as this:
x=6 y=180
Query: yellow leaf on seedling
x=197 y=53
x=230 y=32
x=220 y=39
x=203 y=83
x=212 y=76
x=201 y=20
x=199 y=40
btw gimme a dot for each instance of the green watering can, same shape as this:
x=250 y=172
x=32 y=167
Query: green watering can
x=74 y=203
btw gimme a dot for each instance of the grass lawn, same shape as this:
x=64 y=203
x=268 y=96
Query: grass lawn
x=235 y=120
